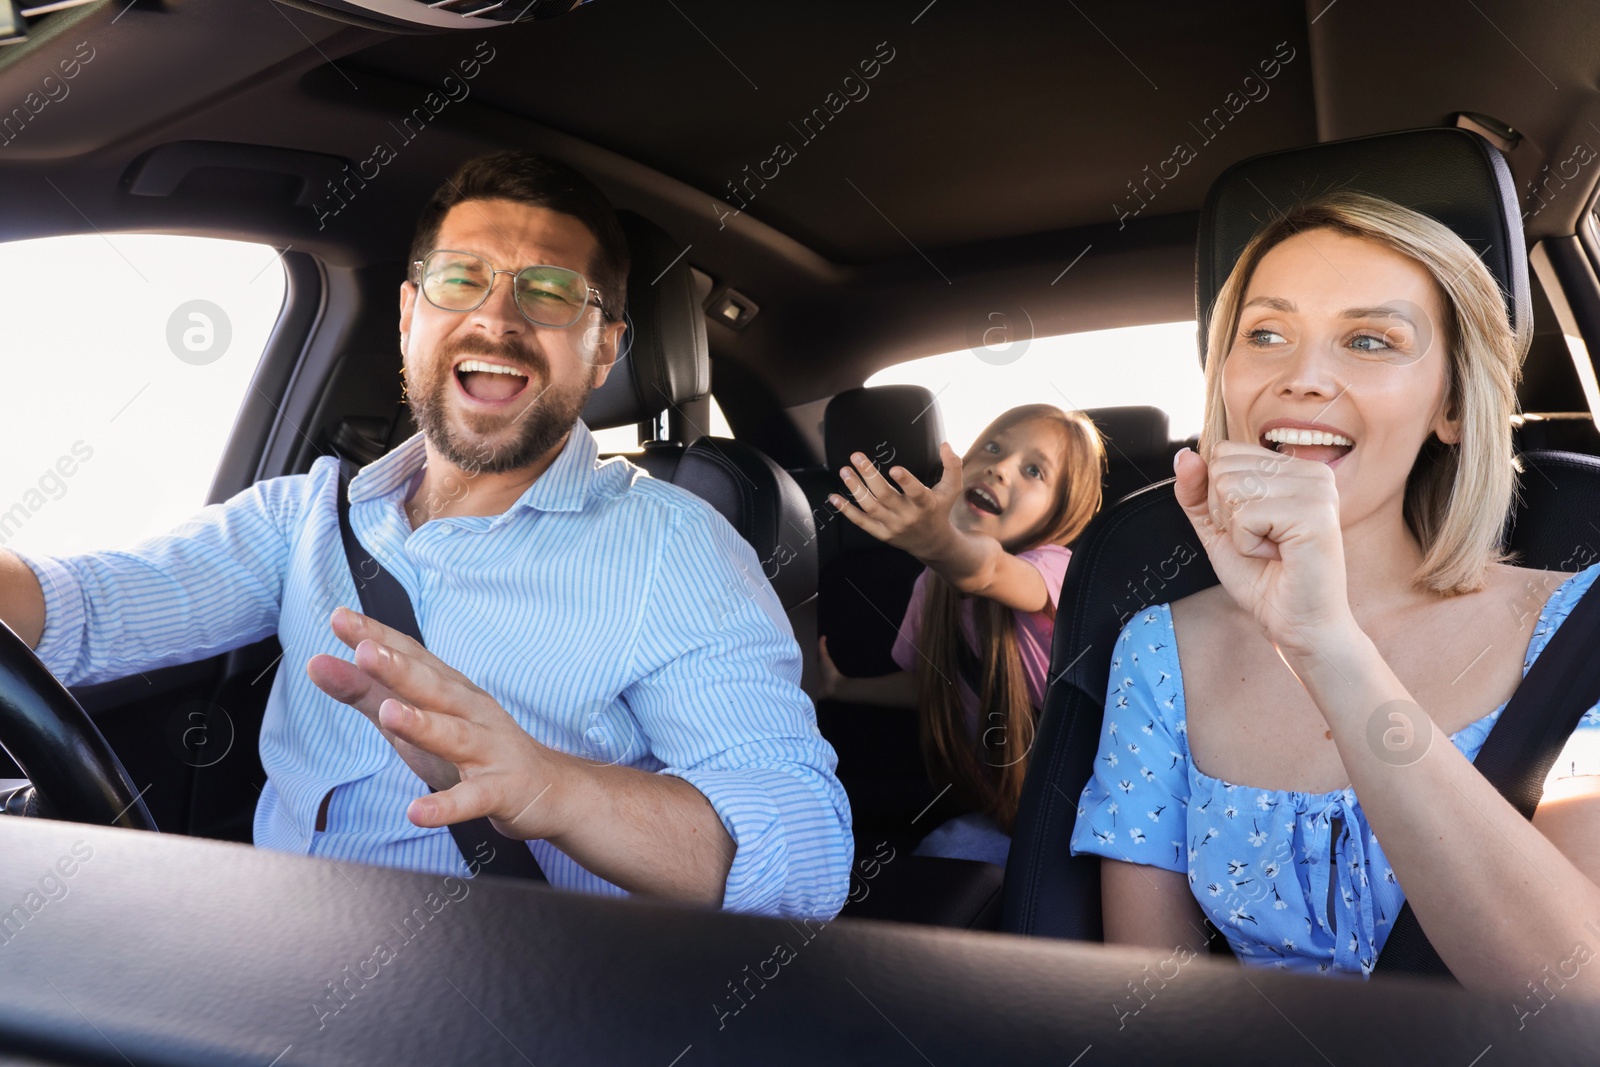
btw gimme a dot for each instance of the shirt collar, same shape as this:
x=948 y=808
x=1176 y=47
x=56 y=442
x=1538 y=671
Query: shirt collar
x=564 y=486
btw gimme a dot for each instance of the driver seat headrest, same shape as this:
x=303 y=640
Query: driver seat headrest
x=664 y=358
x=1453 y=175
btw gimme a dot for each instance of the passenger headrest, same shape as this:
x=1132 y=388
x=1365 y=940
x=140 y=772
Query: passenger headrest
x=764 y=503
x=665 y=359
x=1453 y=175
x=1132 y=431
x=889 y=424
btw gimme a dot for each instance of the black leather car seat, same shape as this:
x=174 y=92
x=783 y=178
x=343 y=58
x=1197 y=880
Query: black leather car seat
x=865 y=584
x=668 y=363
x=1143 y=550
x=1138 y=451
x=863 y=589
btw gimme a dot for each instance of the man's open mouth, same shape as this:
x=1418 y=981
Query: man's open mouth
x=491 y=383
x=979 y=498
x=1321 y=446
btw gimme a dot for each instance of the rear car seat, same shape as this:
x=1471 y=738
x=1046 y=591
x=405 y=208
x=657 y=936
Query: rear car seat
x=1138 y=452
x=864 y=586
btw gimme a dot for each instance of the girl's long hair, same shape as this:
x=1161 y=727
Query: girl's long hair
x=988 y=775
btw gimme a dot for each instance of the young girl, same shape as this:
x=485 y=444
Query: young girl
x=975 y=643
x=1352 y=484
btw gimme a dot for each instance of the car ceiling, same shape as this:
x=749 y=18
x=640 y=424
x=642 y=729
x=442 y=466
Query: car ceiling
x=989 y=165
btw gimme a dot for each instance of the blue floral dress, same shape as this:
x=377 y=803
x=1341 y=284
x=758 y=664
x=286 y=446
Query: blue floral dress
x=1293 y=880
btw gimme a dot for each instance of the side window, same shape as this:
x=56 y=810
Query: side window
x=1156 y=365
x=125 y=358
x=623 y=439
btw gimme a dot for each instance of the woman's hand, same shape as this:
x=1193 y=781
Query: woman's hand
x=916 y=519
x=1270 y=525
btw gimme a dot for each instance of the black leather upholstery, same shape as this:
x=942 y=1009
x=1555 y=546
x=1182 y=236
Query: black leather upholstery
x=865 y=584
x=665 y=360
x=1134 y=430
x=1453 y=175
x=932 y=891
x=759 y=498
x=1138 y=451
x=1554 y=526
x=1139 y=552
x=890 y=424
x=1557 y=434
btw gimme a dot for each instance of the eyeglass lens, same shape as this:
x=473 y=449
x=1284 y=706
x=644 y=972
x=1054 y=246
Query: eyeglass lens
x=549 y=296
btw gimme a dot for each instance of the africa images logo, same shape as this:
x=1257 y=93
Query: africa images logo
x=852 y=88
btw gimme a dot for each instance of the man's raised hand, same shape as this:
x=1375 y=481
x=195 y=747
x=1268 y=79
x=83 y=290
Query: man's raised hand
x=452 y=733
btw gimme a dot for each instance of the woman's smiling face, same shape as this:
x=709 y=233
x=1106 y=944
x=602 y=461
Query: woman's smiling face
x=1339 y=357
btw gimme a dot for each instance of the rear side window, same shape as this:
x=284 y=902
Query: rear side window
x=1156 y=365
x=623 y=439
x=124 y=360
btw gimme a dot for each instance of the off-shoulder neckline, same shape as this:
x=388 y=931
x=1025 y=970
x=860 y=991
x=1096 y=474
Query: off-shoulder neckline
x=1540 y=630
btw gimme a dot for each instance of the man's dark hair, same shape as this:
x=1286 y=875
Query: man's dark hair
x=528 y=178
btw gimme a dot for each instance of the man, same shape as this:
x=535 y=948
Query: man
x=642 y=734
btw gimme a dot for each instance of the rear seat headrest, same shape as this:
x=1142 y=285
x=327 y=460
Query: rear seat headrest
x=889 y=424
x=665 y=359
x=1453 y=175
x=1131 y=431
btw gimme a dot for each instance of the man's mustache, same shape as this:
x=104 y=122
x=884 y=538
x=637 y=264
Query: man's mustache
x=517 y=357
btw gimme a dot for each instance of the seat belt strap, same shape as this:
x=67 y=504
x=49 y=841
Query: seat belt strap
x=384 y=598
x=1522 y=746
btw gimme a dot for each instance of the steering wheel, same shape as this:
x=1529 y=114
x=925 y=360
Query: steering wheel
x=74 y=774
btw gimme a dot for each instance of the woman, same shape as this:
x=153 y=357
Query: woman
x=1353 y=479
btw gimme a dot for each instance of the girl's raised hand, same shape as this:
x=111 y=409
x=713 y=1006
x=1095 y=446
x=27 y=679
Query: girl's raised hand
x=1270 y=525
x=915 y=519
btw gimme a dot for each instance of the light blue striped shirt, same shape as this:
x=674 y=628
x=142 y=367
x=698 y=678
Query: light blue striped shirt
x=614 y=616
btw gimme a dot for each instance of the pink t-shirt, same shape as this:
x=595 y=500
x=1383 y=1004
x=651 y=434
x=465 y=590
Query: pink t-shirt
x=1035 y=629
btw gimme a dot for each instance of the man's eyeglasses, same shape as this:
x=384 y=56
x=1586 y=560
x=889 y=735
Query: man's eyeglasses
x=546 y=295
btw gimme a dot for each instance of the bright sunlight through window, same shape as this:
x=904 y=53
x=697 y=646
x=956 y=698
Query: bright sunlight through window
x=125 y=359
x=1155 y=365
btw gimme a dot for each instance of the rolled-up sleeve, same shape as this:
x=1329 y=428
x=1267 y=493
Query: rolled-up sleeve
x=718 y=695
x=212 y=584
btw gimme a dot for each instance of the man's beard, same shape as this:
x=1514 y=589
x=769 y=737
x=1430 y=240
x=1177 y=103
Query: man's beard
x=519 y=438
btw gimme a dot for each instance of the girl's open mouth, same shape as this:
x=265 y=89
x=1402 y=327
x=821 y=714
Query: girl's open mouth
x=980 y=500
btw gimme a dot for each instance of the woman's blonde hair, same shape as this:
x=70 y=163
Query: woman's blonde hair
x=1457 y=496
x=989 y=775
